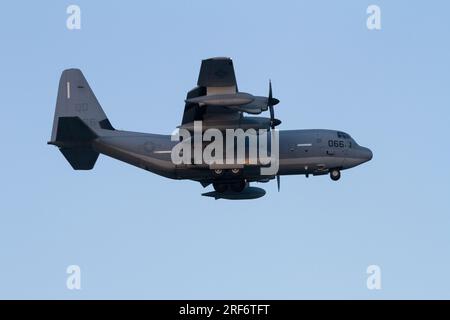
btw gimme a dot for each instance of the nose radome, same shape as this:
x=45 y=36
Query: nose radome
x=367 y=154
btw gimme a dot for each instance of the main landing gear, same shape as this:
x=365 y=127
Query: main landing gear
x=220 y=172
x=234 y=182
x=335 y=174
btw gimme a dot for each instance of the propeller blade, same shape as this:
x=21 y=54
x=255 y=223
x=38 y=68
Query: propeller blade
x=271 y=101
x=272 y=117
x=278 y=183
x=270 y=91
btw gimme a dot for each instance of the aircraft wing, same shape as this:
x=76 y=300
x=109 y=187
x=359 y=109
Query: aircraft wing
x=217 y=101
x=216 y=77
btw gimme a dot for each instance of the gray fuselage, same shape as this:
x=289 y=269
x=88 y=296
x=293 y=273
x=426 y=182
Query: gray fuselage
x=306 y=152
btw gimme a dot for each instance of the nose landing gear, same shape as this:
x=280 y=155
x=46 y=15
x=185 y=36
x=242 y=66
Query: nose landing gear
x=335 y=174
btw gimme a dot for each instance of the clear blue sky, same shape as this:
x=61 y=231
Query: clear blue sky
x=137 y=235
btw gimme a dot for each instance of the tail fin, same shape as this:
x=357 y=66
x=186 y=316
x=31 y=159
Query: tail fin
x=78 y=118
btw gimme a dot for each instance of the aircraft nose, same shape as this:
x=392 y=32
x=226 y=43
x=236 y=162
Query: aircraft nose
x=367 y=154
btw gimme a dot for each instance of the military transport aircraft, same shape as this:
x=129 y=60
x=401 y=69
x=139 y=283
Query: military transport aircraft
x=82 y=131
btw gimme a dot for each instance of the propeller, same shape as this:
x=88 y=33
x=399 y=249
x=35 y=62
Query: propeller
x=271 y=101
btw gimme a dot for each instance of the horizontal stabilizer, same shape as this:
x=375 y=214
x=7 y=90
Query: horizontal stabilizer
x=74 y=137
x=80 y=158
x=73 y=129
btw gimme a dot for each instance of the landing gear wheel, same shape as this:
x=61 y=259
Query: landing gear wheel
x=218 y=172
x=235 y=171
x=220 y=187
x=238 y=186
x=335 y=174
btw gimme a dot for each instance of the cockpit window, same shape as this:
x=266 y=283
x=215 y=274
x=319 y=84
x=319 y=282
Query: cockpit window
x=343 y=135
